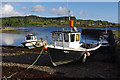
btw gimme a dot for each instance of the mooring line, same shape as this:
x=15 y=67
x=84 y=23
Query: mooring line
x=27 y=67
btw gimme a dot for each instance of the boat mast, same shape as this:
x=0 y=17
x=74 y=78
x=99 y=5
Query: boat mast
x=68 y=15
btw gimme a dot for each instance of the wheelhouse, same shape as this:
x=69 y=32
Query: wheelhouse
x=70 y=39
x=31 y=37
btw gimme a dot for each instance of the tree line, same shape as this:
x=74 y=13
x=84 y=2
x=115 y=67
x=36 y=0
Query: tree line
x=33 y=20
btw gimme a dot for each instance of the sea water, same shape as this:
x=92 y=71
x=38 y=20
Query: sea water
x=17 y=36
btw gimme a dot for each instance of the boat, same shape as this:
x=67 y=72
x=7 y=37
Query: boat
x=104 y=39
x=67 y=48
x=32 y=42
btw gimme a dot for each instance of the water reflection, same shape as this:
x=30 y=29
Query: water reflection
x=11 y=39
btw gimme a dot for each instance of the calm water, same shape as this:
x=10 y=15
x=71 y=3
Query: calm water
x=15 y=38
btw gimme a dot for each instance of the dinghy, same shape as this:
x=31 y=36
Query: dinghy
x=32 y=42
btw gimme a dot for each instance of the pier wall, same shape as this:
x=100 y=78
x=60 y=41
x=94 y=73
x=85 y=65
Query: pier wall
x=97 y=32
x=115 y=47
x=94 y=32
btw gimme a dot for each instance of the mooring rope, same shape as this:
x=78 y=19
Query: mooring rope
x=5 y=78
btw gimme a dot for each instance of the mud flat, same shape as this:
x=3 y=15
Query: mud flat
x=100 y=65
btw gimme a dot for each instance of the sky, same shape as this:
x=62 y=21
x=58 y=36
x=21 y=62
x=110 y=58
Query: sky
x=105 y=11
x=60 y=0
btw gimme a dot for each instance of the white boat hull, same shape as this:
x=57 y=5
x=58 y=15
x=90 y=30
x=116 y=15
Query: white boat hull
x=34 y=44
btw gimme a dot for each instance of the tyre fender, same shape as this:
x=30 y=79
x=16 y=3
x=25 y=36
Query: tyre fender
x=83 y=57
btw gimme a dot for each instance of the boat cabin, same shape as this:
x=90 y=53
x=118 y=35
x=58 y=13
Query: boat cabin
x=68 y=38
x=103 y=36
x=30 y=37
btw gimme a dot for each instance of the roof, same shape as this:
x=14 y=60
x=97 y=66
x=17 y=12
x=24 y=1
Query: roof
x=30 y=35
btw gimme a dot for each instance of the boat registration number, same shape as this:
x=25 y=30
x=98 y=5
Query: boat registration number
x=66 y=51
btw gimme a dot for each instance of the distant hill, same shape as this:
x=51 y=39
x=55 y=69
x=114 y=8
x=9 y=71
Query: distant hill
x=33 y=20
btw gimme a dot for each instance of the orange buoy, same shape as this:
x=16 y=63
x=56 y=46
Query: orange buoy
x=85 y=26
x=88 y=54
x=45 y=47
x=71 y=23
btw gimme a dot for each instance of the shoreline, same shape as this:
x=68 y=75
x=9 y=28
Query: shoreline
x=58 y=26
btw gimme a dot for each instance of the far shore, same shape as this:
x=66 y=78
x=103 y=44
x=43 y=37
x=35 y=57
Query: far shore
x=53 y=26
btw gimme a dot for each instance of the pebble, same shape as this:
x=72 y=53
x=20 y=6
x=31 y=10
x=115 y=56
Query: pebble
x=101 y=76
x=41 y=68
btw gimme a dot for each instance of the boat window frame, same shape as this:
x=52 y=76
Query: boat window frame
x=57 y=37
x=66 y=37
x=78 y=35
x=35 y=38
x=53 y=37
x=28 y=37
x=60 y=37
x=72 y=38
x=31 y=38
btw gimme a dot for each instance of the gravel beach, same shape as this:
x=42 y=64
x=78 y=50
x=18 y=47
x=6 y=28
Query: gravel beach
x=101 y=64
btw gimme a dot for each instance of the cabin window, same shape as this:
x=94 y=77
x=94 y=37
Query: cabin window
x=28 y=38
x=72 y=37
x=32 y=37
x=57 y=37
x=77 y=37
x=66 y=37
x=35 y=38
x=53 y=36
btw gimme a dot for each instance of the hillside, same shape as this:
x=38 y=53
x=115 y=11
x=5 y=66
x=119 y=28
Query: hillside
x=33 y=20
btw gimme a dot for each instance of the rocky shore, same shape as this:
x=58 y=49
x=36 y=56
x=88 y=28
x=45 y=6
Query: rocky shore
x=99 y=65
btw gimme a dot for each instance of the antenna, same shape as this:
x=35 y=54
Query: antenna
x=67 y=14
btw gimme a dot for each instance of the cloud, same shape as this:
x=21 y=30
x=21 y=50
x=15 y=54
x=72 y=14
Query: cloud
x=81 y=12
x=11 y=3
x=7 y=10
x=24 y=8
x=38 y=8
x=86 y=10
x=14 y=4
x=3 y=3
x=59 y=11
x=86 y=15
